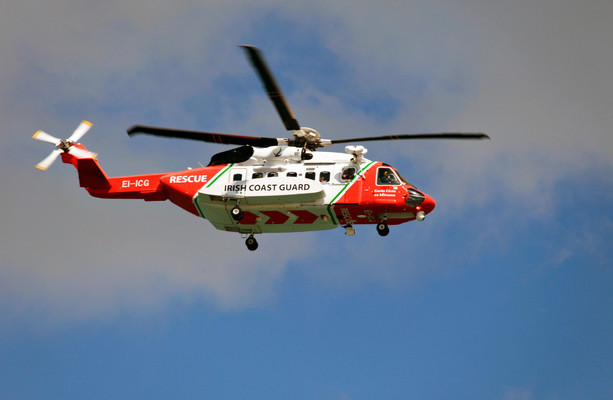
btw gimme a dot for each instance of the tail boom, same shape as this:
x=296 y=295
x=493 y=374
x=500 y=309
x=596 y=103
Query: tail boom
x=98 y=184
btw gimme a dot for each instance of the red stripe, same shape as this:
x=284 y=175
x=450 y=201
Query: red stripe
x=275 y=217
x=304 y=217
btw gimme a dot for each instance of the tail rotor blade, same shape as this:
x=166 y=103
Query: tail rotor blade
x=64 y=146
x=80 y=131
x=80 y=153
x=45 y=137
x=46 y=163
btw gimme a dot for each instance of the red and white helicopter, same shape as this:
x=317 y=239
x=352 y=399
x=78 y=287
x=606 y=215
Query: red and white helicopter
x=267 y=184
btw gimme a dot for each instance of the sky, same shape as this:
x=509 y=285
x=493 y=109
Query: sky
x=504 y=292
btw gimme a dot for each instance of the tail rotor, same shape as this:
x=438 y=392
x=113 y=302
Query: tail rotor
x=64 y=146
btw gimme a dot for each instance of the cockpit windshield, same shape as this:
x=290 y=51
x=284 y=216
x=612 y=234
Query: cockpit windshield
x=404 y=181
x=386 y=176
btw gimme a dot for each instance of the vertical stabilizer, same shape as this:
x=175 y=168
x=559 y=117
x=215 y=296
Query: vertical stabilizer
x=91 y=175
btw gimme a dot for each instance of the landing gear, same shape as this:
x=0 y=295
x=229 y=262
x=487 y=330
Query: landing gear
x=251 y=243
x=383 y=229
x=237 y=213
x=349 y=230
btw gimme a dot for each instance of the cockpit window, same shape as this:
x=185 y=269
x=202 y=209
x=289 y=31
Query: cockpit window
x=386 y=176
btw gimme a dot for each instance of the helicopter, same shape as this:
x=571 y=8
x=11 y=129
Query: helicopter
x=266 y=185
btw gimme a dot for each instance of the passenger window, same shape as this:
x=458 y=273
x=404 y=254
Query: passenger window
x=385 y=176
x=292 y=174
x=310 y=175
x=324 y=176
x=272 y=174
x=257 y=175
x=348 y=174
x=237 y=177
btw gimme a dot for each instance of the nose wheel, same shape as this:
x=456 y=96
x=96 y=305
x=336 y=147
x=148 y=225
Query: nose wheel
x=237 y=213
x=251 y=243
x=383 y=229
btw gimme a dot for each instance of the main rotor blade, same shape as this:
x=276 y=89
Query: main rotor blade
x=272 y=88
x=447 y=135
x=220 y=138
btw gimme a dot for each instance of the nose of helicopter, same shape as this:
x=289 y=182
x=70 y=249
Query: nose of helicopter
x=428 y=205
x=422 y=202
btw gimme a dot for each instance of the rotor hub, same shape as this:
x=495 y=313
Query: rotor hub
x=307 y=138
x=65 y=145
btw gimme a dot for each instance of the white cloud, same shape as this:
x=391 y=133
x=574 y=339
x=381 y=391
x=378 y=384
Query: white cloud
x=76 y=256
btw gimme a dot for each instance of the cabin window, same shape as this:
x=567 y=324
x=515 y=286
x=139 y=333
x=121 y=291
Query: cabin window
x=310 y=175
x=237 y=177
x=272 y=174
x=348 y=174
x=324 y=176
x=386 y=176
x=292 y=174
x=257 y=175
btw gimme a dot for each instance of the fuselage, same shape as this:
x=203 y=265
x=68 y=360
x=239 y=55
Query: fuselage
x=276 y=190
x=279 y=192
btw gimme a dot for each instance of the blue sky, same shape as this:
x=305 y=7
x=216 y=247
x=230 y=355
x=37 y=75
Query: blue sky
x=502 y=293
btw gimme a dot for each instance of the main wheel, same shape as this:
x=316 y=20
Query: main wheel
x=237 y=213
x=383 y=229
x=251 y=243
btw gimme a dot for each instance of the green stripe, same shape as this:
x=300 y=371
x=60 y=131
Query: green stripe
x=344 y=189
x=195 y=198
x=219 y=175
x=195 y=201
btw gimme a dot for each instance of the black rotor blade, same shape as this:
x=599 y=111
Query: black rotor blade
x=272 y=88
x=220 y=138
x=448 y=135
